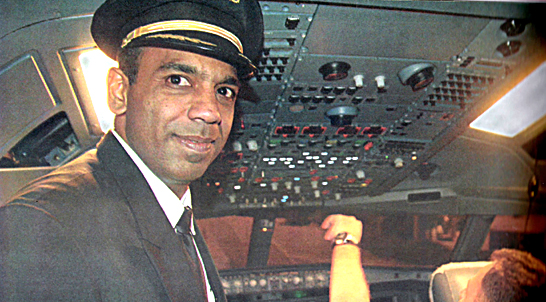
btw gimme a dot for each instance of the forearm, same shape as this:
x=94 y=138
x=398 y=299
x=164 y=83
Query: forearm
x=347 y=279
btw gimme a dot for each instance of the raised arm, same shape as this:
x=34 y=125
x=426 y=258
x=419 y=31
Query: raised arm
x=347 y=279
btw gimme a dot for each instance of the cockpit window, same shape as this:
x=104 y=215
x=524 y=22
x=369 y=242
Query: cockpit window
x=389 y=240
x=518 y=232
x=95 y=66
x=228 y=239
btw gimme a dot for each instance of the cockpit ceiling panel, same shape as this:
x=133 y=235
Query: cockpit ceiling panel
x=327 y=139
x=308 y=65
x=368 y=32
x=17 y=14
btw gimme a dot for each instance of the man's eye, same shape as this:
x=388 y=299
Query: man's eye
x=178 y=80
x=227 y=92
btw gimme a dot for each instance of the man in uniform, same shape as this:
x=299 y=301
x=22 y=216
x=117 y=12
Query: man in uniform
x=110 y=224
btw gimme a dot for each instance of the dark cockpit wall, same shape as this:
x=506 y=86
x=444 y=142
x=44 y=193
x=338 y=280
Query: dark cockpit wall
x=311 y=139
x=44 y=117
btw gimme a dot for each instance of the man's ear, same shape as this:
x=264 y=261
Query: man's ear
x=118 y=85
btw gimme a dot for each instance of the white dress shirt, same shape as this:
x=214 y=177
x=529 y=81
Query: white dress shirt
x=169 y=202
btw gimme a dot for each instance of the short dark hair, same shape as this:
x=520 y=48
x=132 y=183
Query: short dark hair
x=516 y=276
x=128 y=60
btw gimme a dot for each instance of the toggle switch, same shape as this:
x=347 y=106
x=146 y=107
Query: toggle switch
x=237 y=146
x=292 y=22
x=288 y=185
x=359 y=80
x=252 y=145
x=360 y=174
x=380 y=82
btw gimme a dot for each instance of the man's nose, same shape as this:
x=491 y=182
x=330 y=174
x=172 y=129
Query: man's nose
x=205 y=107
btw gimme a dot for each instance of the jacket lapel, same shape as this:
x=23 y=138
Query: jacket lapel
x=165 y=251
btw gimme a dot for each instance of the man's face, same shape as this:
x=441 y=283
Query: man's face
x=179 y=112
x=473 y=291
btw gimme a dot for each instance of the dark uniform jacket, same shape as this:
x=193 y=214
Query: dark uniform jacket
x=92 y=230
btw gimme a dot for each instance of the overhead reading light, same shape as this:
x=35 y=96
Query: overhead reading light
x=518 y=109
x=334 y=71
x=95 y=66
x=418 y=76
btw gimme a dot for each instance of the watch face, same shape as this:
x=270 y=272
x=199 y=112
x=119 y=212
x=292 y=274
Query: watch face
x=341 y=236
x=344 y=238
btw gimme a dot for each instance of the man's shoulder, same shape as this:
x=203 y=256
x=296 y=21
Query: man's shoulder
x=68 y=178
x=79 y=175
x=99 y=176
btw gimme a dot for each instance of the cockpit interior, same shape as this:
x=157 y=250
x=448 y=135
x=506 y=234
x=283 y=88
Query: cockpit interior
x=426 y=120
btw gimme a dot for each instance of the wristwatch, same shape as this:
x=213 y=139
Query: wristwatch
x=344 y=238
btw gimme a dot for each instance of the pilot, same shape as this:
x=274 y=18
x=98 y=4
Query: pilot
x=513 y=276
x=110 y=225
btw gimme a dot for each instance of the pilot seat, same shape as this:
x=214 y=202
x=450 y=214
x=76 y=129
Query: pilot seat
x=450 y=279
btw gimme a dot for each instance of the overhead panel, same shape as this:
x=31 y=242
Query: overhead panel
x=363 y=98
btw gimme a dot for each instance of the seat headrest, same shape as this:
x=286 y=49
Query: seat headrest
x=448 y=280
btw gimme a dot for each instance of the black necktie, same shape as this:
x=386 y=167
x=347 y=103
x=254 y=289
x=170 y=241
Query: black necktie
x=183 y=228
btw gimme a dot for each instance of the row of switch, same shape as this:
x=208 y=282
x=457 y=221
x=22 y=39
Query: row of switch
x=273 y=282
x=329 y=99
x=345 y=131
x=267 y=77
x=287 y=141
x=274 y=61
x=470 y=78
x=328 y=89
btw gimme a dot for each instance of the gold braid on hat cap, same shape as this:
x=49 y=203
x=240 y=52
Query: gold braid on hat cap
x=183 y=25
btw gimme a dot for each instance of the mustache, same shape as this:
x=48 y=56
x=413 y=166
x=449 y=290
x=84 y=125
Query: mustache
x=199 y=131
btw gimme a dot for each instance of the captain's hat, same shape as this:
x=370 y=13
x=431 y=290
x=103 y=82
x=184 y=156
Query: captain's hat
x=227 y=30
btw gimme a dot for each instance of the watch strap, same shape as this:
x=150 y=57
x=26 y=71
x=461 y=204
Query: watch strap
x=344 y=238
